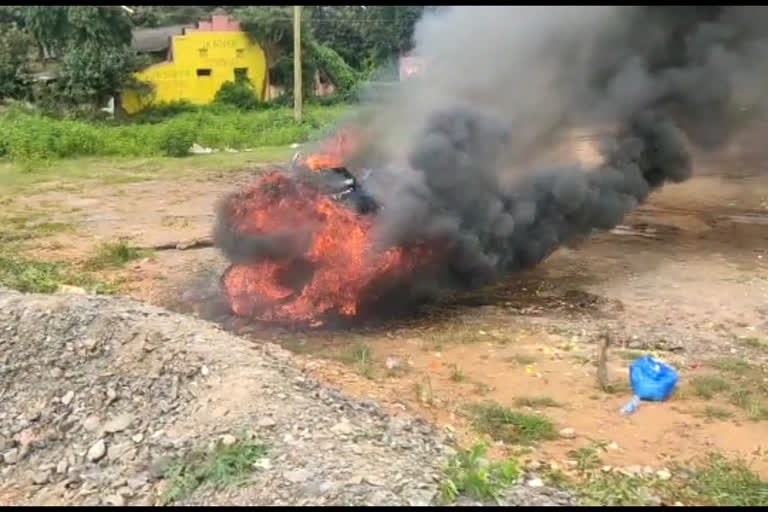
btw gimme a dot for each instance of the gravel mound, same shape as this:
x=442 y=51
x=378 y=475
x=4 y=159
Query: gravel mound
x=98 y=393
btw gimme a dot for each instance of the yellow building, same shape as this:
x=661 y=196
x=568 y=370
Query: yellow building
x=199 y=61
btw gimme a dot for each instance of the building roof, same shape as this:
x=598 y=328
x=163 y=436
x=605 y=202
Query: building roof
x=156 y=39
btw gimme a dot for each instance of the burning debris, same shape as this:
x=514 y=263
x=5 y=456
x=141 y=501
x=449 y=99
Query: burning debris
x=453 y=206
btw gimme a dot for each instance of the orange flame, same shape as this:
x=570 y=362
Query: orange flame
x=333 y=152
x=340 y=252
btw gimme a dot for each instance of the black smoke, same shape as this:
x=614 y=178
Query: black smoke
x=664 y=78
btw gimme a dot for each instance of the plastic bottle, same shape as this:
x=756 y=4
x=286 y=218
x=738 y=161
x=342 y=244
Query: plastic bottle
x=630 y=406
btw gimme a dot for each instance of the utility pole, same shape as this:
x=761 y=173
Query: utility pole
x=297 y=63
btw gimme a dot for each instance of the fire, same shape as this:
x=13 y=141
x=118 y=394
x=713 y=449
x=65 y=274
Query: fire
x=333 y=152
x=336 y=251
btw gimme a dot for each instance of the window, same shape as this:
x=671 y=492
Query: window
x=204 y=52
x=241 y=74
x=240 y=52
x=203 y=72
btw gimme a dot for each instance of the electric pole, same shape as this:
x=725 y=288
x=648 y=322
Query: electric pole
x=297 y=63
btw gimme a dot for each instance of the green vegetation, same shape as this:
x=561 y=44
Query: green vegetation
x=536 y=402
x=713 y=413
x=469 y=473
x=361 y=357
x=707 y=386
x=34 y=139
x=224 y=466
x=457 y=375
x=27 y=275
x=721 y=482
x=714 y=480
x=114 y=255
x=503 y=424
x=756 y=344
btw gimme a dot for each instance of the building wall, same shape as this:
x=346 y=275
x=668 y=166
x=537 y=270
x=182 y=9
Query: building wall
x=203 y=59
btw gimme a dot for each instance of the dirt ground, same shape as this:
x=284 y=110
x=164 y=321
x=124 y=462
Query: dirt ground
x=685 y=279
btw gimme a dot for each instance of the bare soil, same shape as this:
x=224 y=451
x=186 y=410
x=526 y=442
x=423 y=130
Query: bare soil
x=685 y=279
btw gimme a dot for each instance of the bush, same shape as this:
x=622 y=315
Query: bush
x=26 y=136
x=239 y=94
x=177 y=138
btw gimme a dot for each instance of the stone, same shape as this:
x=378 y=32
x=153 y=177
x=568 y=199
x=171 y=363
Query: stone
x=136 y=482
x=41 y=477
x=568 y=433
x=91 y=423
x=118 y=423
x=297 y=476
x=343 y=427
x=266 y=422
x=67 y=398
x=606 y=469
x=11 y=456
x=62 y=466
x=138 y=438
x=228 y=439
x=118 y=451
x=393 y=363
x=663 y=474
x=97 y=451
x=115 y=500
x=535 y=482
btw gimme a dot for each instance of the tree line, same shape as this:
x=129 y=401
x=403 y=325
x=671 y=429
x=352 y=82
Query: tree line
x=89 y=47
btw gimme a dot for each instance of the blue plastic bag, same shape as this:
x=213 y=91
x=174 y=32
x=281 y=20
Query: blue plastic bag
x=651 y=379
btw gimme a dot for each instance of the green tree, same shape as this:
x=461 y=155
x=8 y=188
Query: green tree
x=92 y=72
x=108 y=26
x=271 y=26
x=14 y=59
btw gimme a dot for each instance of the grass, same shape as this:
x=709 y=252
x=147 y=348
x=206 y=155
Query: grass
x=714 y=413
x=32 y=276
x=521 y=359
x=536 y=402
x=731 y=364
x=707 y=386
x=33 y=141
x=722 y=482
x=361 y=357
x=756 y=344
x=754 y=407
x=629 y=355
x=503 y=424
x=120 y=170
x=470 y=473
x=586 y=457
x=112 y=255
x=457 y=375
x=714 y=480
x=224 y=466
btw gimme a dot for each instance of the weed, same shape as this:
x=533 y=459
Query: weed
x=114 y=255
x=521 y=359
x=713 y=413
x=756 y=344
x=469 y=473
x=755 y=409
x=424 y=392
x=509 y=426
x=586 y=457
x=457 y=375
x=629 y=355
x=722 y=482
x=731 y=364
x=224 y=466
x=707 y=386
x=32 y=276
x=536 y=402
x=361 y=357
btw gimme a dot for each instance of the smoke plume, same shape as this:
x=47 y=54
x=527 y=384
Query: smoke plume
x=503 y=83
